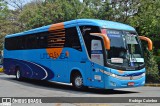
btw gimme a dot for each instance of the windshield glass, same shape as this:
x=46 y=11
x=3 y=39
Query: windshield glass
x=125 y=48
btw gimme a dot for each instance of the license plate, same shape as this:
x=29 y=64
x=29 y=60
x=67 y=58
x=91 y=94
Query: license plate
x=130 y=83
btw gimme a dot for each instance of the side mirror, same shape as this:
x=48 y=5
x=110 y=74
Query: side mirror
x=105 y=39
x=149 y=41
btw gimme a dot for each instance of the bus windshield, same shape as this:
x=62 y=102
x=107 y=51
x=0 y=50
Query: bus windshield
x=125 y=49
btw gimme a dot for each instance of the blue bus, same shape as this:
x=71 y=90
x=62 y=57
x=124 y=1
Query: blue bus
x=84 y=52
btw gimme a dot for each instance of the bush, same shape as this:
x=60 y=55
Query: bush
x=152 y=73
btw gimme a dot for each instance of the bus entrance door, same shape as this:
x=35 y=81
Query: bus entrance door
x=97 y=61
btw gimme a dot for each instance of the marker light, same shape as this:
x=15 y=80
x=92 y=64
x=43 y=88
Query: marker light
x=113 y=83
x=143 y=74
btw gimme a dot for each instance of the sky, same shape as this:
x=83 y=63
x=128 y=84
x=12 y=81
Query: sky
x=11 y=5
x=24 y=2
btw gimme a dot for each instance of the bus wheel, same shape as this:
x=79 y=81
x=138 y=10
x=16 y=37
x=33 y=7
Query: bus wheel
x=18 y=75
x=77 y=81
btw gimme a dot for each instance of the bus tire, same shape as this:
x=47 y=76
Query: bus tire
x=77 y=81
x=18 y=75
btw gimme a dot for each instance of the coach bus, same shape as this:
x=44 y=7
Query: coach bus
x=84 y=52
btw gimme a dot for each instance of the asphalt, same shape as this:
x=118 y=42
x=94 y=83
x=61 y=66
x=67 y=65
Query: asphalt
x=10 y=87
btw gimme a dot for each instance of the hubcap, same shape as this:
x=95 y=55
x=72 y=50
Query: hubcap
x=78 y=81
x=18 y=74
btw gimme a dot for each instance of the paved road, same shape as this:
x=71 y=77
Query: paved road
x=10 y=87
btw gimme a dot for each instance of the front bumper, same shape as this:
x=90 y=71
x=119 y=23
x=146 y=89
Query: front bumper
x=112 y=82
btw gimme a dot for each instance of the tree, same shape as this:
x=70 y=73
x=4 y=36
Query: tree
x=146 y=21
x=46 y=13
x=16 y=4
x=119 y=10
x=152 y=72
x=147 y=18
x=3 y=21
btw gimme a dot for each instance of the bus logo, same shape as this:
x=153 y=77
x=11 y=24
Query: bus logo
x=131 y=78
x=6 y=102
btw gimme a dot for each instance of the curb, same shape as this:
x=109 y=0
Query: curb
x=154 y=85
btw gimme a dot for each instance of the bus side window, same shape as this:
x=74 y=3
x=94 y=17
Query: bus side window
x=12 y=43
x=31 y=42
x=72 y=38
x=41 y=40
x=21 y=44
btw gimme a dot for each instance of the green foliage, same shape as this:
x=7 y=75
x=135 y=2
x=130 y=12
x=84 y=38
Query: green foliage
x=152 y=72
x=3 y=16
x=147 y=18
x=3 y=10
x=36 y=15
x=146 y=21
x=158 y=51
x=157 y=58
x=120 y=10
x=151 y=62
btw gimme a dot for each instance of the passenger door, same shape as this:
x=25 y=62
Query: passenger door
x=97 y=61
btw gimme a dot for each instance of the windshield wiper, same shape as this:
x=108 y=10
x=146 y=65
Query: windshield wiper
x=128 y=57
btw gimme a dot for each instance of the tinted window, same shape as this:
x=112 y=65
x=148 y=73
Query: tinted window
x=33 y=41
x=72 y=39
x=55 y=39
x=86 y=30
x=118 y=46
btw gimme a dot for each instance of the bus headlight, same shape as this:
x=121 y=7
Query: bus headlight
x=113 y=75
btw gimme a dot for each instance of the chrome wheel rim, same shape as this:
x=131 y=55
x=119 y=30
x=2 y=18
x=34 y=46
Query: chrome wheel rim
x=78 y=81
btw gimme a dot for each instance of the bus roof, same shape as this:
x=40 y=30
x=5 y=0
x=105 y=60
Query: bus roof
x=105 y=24
x=80 y=22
